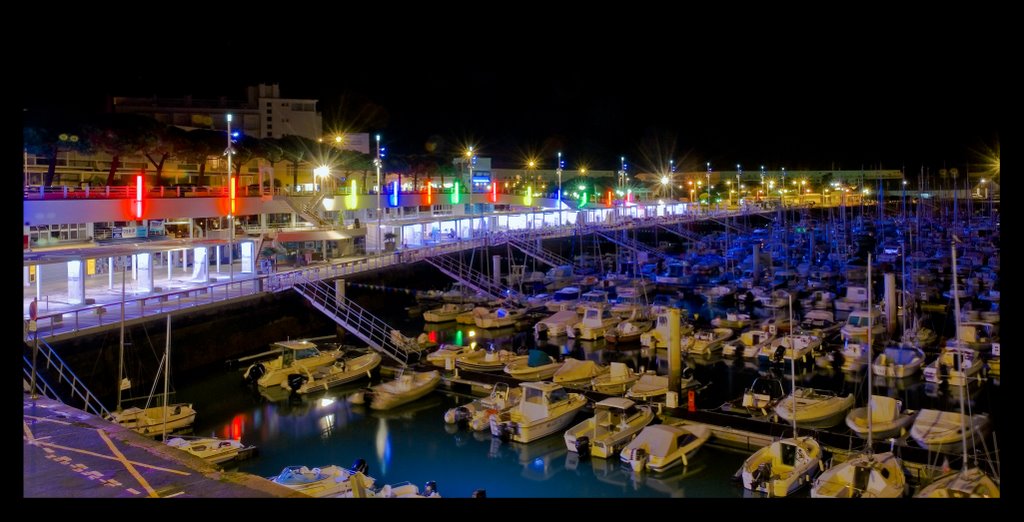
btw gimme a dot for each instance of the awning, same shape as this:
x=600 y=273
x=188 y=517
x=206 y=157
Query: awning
x=311 y=235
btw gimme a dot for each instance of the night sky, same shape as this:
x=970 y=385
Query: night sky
x=801 y=99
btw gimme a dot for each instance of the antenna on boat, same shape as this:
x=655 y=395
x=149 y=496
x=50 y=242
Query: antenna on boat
x=120 y=356
x=792 y=358
x=167 y=373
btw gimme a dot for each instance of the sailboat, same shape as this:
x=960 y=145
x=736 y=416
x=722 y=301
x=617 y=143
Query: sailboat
x=156 y=420
x=786 y=465
x=967 y=481
x=868 y=474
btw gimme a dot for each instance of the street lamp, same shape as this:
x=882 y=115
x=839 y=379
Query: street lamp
x=558 y=171
x=709 y=186
x=377 y=163
x=739 y=172
x=230 y=151
x=762 y=179
x=672 y=176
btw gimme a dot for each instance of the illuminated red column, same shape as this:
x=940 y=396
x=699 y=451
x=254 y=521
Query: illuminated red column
x=138 y=196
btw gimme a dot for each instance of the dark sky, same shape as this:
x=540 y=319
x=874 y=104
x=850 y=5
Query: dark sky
x=802 y=100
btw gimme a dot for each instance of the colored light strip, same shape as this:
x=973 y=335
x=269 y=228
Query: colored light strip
x=455 y=193
x=528 y=200
x=393 y=198
x=494 y=192
x=350 y=201
x=231 y=194
x=138 y=196
x=610 y=200
x=430 y=194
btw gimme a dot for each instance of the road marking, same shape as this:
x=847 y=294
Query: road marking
x=127 y=465
x=102 y=456
x=46 y=419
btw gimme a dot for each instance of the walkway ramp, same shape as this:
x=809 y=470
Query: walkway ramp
x=532 y=247
x=682 y=232
x=734 y=226
x=371 y=329
x=632 y=245
x=464 y=274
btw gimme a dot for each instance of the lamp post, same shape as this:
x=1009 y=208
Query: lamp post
x=762 y=181
x=558 y=171
x=782 y=189
x=469 y=162
x=671 y=177
x=378 y=163
x=709 y=186
x=739 y=172
x=231 y=217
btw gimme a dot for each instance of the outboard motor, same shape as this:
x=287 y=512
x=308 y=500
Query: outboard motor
x=360 y=466
x=542 y=331
x=760 y=475
x=430 y=489
x=583 y=447
x=505 y=432
x=638 y=459
x=254 y=373
x=296 y=380
x=780 y=354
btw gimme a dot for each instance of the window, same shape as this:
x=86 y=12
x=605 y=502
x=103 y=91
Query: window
x=270 y=119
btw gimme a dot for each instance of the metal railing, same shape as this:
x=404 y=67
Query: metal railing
x=633 y=245
x=530 y=247
x=369 y=328
x=78 y=388
x=471 y=278
x=42 y=387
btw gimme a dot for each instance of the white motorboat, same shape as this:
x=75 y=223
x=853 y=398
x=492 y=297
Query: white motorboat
x=658 y=336
x=956 y=365
x=557 y=324
x=759 y=399
x=663 y=446
x=447 y=312
x=707 y=341
x=151 y=421
x=782 y=467
x=295 y=356
x=477 y=414
x=878 y=475
x=649 y=386
x=406 y=388
x=898 y=362
x=821 y=323
x=628 y=331
x=447 y=351
x=888 y=418
x=500 y=317
x=814 y=408
x=545 y=408
x=788 y=347
x=596 y=321
x=615 y=422
x=343 y=371
x=853 y=354
x=618 y=379
x=575 y=372
x=856 y=327
x=941 y=430
x=966 y=483
x=749 y=343
x=537 y=366
x=733 y=320
x=487 y=360
x=856 y=298
x=322 y=482
x=212 y=449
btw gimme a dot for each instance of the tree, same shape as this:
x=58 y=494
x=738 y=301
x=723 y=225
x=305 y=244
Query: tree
x=116 y=134
x=296 y=150
x=160 y=142
x=47 y=135
x=199 y=145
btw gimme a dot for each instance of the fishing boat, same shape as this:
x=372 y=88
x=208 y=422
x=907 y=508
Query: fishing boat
x=405 y=388
x=545 y=408
x=615 y=422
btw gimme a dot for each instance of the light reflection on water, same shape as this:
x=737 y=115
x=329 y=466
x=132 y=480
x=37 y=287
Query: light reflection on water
x=412 y=443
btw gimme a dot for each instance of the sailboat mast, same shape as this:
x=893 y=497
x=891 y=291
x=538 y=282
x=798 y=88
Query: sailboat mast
x=167 y=372
x=120 y=355
x=871 y=309
x=792 y=358
x=959 y=356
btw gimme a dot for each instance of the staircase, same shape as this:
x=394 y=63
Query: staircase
x=310 y=211
x=682 y=232
x=68 y=388
x=369 y=328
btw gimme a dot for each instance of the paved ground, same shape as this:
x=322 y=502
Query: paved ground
x=70 y=453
